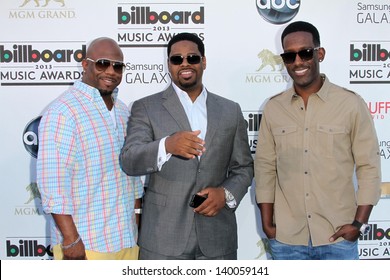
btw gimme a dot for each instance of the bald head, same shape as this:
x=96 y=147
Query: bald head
x=102 y=45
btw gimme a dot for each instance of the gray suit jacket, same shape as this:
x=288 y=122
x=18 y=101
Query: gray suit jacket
x=167 y=218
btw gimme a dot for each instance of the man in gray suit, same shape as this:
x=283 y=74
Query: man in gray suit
x=190 y=141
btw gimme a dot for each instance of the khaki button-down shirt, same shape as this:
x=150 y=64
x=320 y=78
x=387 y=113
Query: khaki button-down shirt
x=305 y=162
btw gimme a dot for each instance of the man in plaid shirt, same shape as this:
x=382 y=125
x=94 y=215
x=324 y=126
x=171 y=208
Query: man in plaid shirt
x=92 y=201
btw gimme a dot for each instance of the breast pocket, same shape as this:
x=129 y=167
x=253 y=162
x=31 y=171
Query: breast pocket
x=285 y=140
x=327 y=137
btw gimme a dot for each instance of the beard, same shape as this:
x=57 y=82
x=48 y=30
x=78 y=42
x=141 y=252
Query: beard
x=105 y=92
x=186 y=85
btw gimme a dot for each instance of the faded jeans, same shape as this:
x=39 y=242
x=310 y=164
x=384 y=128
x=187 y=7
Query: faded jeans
x=343 y=250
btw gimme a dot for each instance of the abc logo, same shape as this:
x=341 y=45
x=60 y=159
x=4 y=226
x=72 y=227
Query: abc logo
x=30 y=137
x=278 y=11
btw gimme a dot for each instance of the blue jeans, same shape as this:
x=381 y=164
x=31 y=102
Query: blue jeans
x=344 y=250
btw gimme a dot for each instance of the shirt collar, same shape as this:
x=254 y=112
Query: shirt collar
x=323 y=93
x=182 y=94
x=93 y=93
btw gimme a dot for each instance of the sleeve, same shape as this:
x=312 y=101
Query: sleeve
x=265 y=163
x=140 y=151
x=365 y=149
x=240 y=173
x=138 y=186
x=56 y=154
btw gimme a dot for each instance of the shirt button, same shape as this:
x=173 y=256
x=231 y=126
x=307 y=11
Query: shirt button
x=306 y=172
x=309 y=216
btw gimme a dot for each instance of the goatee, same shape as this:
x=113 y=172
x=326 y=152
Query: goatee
x=105 y=92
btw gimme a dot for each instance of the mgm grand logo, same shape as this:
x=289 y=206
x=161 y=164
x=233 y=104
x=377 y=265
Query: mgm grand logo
x=46 y=2
x=270 y=70
x=32 y=206
x=270 y=59
x=33 y=191
x=42 y=9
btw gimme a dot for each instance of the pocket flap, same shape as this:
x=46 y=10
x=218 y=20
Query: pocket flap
x=330 y=129
x=284 y=130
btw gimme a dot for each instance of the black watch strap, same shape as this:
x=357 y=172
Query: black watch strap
x=357 y=224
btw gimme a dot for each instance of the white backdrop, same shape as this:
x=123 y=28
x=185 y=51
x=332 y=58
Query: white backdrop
x=42 y=43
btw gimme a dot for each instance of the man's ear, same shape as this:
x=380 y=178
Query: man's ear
x=321 y=54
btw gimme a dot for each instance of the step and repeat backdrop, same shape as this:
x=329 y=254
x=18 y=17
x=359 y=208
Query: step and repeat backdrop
x=42 y=43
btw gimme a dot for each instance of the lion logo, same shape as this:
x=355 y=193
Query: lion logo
x=264 y=247
x=44 y=5
x=269 y=59
x=34 y=192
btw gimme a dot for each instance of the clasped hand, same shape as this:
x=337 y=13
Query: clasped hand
x=213 y=204
x=186 y=144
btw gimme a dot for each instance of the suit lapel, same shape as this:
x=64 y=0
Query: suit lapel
x=175 y=108
x=213 y=117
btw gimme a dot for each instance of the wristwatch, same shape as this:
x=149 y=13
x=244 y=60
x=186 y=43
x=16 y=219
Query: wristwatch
x=228 y=196
x=362 y=227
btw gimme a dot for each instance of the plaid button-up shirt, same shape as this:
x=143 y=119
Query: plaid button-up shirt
x=78 y=170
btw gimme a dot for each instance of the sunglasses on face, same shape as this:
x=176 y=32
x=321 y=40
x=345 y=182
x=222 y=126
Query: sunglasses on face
x=305 y=55
x=191 y=59
x=102 y=64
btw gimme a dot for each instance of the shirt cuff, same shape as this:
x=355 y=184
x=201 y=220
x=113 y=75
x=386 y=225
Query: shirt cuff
x=162 y=156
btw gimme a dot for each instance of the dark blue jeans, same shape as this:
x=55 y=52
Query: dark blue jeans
x=344 y=250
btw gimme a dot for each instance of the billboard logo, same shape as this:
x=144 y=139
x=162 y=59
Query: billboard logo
x=143 y=15
x=377 y=233
x=369 y=52
x=27 y=248
x=154 y=24
x=252 y=119
x=41 y=64
x=278 y=11
x=375 y=245
x=26 y=53
x=369 y=62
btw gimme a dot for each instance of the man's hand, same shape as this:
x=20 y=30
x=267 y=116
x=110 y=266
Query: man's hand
x=213 y=204
x=186 y=144
x=267 y=219
x=348 y=232
x=75 y=253
x=69 y=232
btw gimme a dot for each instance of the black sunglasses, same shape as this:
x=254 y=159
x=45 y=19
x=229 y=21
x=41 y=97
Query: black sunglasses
x=191 y=59
x=305 y=55
x=102 y=64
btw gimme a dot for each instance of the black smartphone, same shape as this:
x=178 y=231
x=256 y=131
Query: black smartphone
x=196 y=200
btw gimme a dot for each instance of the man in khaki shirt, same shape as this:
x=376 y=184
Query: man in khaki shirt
x=312 y=139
